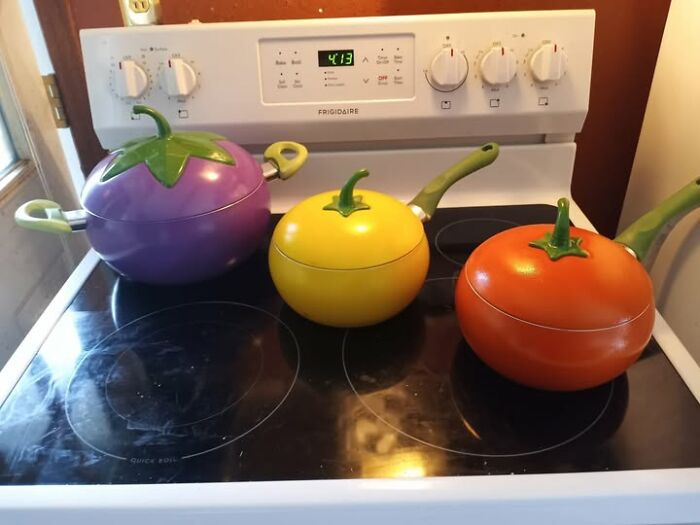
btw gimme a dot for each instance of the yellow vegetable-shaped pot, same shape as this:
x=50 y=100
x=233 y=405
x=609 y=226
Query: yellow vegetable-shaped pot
x=358 y=257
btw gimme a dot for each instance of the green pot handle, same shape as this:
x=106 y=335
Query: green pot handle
x=645 y=235
x=429 y=197
x=43 y=215
x=286 y=167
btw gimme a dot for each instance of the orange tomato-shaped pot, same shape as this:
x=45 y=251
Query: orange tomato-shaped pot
x=562 y=308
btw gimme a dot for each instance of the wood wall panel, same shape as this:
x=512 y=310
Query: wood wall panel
x=60 y=28
x=628 y=35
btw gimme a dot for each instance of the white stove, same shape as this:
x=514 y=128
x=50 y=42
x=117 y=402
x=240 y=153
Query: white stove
x=404 y=97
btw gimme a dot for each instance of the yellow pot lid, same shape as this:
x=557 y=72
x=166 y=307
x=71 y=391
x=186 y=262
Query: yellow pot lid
x=325 y=238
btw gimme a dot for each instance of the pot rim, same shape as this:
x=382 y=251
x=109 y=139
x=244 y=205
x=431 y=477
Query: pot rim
x=555 y=328
x=178 y=219
x=274 y=246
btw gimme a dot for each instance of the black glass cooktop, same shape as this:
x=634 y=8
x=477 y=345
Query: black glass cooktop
x=222 y=382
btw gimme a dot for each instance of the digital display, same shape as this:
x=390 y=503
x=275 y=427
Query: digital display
x=336 y=57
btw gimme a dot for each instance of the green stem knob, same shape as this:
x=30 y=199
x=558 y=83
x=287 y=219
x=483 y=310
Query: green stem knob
x=561 y=236
x=558 y=243
x=347 y=203
x=164 y=130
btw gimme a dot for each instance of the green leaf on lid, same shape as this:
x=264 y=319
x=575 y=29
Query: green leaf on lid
x=166 y=155
x=345 y=202
x=555 y=252
x=346 y=211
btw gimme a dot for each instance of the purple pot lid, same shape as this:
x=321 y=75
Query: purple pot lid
x=204 y=185
x=170 y=175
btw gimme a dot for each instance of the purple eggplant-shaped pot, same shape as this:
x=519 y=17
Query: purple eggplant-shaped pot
x=173 y=208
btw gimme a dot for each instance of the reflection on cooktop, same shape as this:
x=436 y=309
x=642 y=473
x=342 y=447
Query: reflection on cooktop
x=465 y=407
x=222 y=382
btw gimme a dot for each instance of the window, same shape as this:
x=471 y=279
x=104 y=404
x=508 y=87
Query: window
x=8 y=155
x=14 y=145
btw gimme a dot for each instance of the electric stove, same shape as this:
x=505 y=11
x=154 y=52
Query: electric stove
x=216 y=403
x=222 y=382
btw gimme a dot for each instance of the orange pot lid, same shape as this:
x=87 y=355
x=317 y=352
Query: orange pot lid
x=605 y=289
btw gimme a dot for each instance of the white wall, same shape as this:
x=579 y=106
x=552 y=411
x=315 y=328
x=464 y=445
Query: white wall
x=668 y=157
x=33 y=265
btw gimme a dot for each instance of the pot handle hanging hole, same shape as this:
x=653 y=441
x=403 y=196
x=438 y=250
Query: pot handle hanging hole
x=286 y=167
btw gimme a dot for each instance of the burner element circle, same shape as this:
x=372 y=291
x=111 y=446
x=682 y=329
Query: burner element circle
x=456 y=240
x=182 y=381
x=464 y=407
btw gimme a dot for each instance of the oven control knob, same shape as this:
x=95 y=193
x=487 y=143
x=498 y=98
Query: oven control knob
x=548 y=63
x=178 y=78
x=448 y=70
x=498 y=66
x=130 y=80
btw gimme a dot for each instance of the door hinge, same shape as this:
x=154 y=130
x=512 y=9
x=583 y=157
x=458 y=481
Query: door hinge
x=59 y=114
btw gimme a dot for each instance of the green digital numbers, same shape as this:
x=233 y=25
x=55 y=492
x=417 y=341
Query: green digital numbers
x=336 y=57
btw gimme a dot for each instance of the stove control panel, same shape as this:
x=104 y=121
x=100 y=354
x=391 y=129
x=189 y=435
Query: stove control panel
x=425 y=78
x=378 y=67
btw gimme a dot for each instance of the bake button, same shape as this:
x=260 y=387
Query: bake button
x=183 y=113
x=446 y=104
x=494 y=102
x=543 y=101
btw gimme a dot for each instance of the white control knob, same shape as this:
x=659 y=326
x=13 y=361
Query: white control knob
x=548 y=63
x=178 y=78
x=448 y=70
x=130 y=80
x=498 y=66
